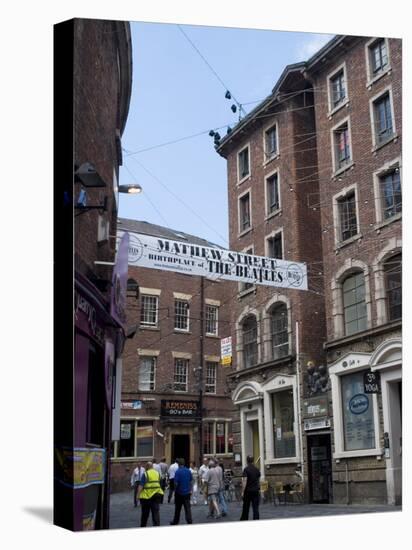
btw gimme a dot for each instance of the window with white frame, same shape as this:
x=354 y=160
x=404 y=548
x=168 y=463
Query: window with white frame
x=244 y=212
x=390 y=193
x=279 y=331
x=283 y=412
x=271 y=142
x=354 y=305
x=337 y=89
x=341 y=146
x=393 y=285
x=217 y=437
x=136 y=439
x=347 y=216
x=272 y=194
x=274 y=246
x=382 y=118
x=211 y=373
x=182 y=315
x=243 y=163
x=378 y=56
x=181 y=374
x=147 y=369
x=243 y=287
x=212 y=320
x=149 y=310
x=249 y=340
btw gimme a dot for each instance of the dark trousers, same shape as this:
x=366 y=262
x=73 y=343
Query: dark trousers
x=182 y=500
x=136 y=486
x=163 y=486
x=171 y=489
x=150 y=505
x=250 y=497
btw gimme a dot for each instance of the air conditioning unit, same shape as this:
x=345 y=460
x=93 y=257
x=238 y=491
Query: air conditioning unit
x=103 y=225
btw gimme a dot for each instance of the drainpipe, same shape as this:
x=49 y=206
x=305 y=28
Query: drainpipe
x=299 y=419
x=201 y=365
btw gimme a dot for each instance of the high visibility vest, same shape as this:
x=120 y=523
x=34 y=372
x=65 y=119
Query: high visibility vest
x=152 y=485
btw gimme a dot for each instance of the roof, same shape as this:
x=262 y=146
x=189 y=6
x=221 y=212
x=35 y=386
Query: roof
x=146 y=228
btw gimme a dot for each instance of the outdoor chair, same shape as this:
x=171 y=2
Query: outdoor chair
x=297 y=491
x=278 y=492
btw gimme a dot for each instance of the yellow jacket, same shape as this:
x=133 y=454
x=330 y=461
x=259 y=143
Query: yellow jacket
x=152 y=485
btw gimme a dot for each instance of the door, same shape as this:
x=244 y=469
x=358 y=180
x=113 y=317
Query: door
x=394 y=458
x=181 y=447
x=255 y=442
x=320 y=468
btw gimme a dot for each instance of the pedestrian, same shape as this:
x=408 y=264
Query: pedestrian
x=212 y=480
x=202 y=474
x=171 y=475
x=163 y=475
x=149 y=494
x=195 y=482
x=156 y=466
x=221 y=494
x=135 y=481
x=250 y=490
x=183 y=492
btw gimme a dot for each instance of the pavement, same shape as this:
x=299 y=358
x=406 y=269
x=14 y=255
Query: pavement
x=123 y=514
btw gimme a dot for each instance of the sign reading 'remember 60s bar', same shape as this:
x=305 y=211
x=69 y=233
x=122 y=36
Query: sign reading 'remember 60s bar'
x=171 y=408
x=214 y=263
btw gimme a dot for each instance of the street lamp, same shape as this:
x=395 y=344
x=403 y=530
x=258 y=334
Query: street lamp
x=132 y=188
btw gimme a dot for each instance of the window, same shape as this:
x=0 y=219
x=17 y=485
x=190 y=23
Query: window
x=348 y=225
x=211 y=371
x=180 y=374
x=243 y=287
x=182 y=315
x=272 y=194
x=211 y=320
x=148 y=311
x=393 y=284
x=274 y=246
x=283 y=424
x=279 y=331
x=358 y=418
x=271 y=142
x=243 y=164
x=136 y=439
x=341 y=142
x=382 y=115
x=354 y=306
x=217 y=437
x=337 y=89
x=244 y=212
x=378 y=56
x=390 y=193
x=249 y=337
x=147 y=368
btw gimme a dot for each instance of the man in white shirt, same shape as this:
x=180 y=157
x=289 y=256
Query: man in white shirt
x=135 y=481
x=171 y=475
x=202 y=474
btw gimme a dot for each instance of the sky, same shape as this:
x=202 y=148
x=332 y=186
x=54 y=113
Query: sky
x=176 y=94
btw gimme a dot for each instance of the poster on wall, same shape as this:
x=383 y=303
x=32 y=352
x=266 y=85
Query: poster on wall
x=81 y=467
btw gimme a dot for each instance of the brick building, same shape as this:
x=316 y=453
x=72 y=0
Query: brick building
x=314 y=176
x=357 y=85
x=163 y=412
x=96 y=75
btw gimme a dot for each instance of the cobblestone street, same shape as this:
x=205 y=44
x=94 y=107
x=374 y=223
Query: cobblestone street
x=124 y=515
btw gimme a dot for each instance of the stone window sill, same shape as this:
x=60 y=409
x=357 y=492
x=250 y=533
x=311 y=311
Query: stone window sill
x=378 y=76
x=245 y=232
x=273 y=214
x=388 y=221
x=353 y=239
x=338 y=108
x=340 y=171
x=393 y=137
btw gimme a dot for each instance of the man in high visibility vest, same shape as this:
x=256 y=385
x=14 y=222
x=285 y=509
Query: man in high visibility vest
x=150 y=494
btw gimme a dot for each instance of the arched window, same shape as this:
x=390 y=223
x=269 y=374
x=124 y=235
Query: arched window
x=249 y=337
x=279 y=331
x=393 y=285
x=354 y=306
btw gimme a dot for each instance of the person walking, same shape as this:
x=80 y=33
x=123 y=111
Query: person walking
x=171 y=475
x=221 y=494
x=212 y=480
x=250 y=490
x=183 y=492
x=202 y=474
x=195 y=483
x=163 y=475
x=135 y=481
x=156 y=466
x=149 y=494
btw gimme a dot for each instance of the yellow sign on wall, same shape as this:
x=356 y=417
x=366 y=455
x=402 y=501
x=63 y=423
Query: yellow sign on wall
x=81 y=467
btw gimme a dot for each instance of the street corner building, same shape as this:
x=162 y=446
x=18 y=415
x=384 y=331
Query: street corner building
x=314 y=176
x=175 y=402
x=93 y=75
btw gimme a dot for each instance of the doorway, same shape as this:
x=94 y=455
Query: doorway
x=320 y=468
x=255 y=442
x=181 y=447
